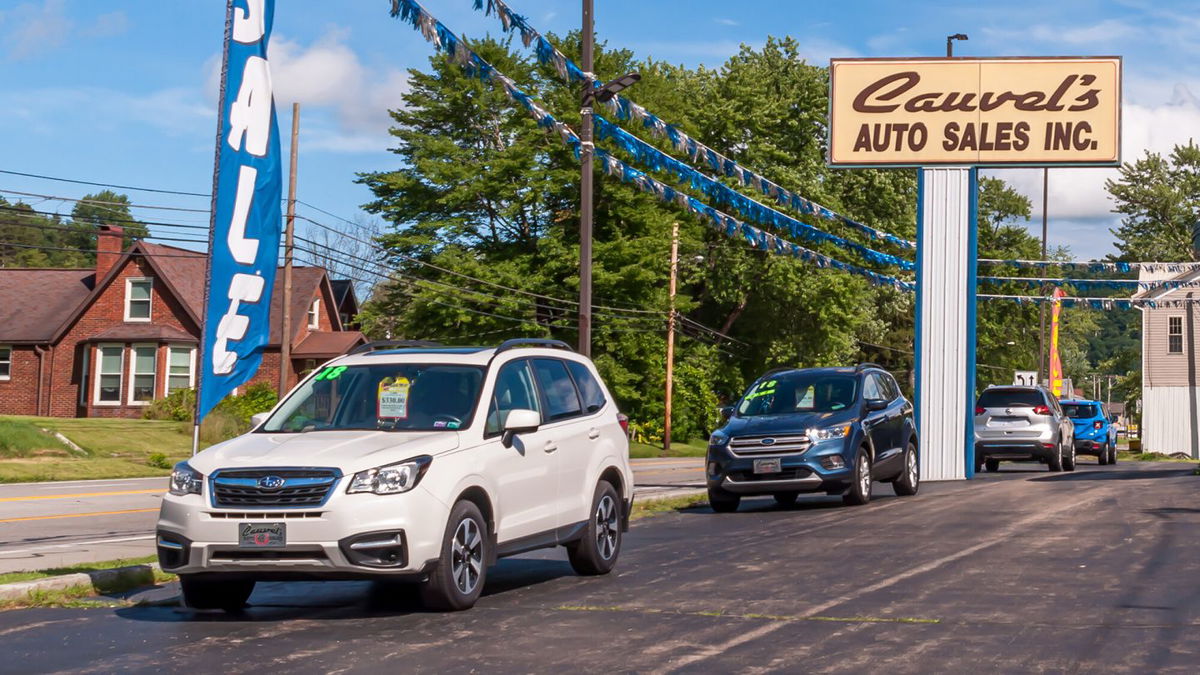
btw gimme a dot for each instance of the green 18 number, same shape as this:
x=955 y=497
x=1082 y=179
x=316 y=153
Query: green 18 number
x=331 y=373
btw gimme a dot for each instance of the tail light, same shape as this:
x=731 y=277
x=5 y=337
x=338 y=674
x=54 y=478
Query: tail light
x=1041 y=410
x=979 y=411
x=623 y=420
x=1097 y=424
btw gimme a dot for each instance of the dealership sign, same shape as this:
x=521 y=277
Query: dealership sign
x=981 y=112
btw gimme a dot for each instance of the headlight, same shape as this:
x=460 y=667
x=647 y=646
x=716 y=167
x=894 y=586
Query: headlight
x=185 y=480
x=718 y=439
x=391 y=479
x=829 y=433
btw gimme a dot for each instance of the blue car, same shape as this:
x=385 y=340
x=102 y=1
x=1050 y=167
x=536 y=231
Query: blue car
x=831 y=430
x=1094 y=432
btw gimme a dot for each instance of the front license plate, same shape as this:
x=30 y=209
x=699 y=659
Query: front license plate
x=768 y=465
x=262 y=535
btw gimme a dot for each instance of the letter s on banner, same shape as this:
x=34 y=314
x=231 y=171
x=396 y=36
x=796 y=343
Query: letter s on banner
x=246 y=219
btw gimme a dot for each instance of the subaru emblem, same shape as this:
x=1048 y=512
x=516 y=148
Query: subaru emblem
x=768 y=441
x=271 y=482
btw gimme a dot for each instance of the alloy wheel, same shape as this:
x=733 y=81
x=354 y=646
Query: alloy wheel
x=864 y=475
x=466 y=559
x=607 y=528
x=912 y=468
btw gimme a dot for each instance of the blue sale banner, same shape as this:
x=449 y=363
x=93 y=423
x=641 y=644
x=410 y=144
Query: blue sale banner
x=244 y=237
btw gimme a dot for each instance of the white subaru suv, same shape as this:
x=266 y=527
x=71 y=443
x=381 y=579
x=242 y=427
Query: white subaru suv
x=423 y=464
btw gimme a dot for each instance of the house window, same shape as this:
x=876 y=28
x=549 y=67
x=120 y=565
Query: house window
x=314 y=314
x=108 y=374
x=1175 y=335
x=142 y=368
x=137 y=299
x=180 y=364
x=5 y=362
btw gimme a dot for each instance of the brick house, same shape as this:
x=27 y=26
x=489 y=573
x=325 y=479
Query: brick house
x=105 y=342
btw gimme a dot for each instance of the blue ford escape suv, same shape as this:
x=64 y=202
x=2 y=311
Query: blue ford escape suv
x=833 y=430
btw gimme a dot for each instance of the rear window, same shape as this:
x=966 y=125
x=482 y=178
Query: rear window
x=1080 y=410
x=1010 y=398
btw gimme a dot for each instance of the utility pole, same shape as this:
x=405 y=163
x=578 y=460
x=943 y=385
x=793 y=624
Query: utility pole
x=671 y=339
x=1042 y=305
x=285 y=331
x=585 y=188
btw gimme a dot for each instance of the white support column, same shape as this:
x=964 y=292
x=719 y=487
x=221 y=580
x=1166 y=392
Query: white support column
x=946 y=259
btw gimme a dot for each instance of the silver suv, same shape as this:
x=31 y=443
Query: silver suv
x=1022 y=424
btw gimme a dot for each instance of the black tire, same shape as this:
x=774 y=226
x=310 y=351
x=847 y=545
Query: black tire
x=1112 y=453
x=785 y=498
x=860 y=480
x=723 y=502
x=596 y=553
x=1055 y=463
x=457 y=580
x=213 y=592
x=910 y=476
x=978 y=463
x=1102 y=458
x=1069 y=456
x=993 y=465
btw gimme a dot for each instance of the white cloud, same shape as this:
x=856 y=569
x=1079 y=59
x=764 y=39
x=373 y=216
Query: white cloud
x=727 y=22
x=107 y=25
x=33 y=28
x=350 y=100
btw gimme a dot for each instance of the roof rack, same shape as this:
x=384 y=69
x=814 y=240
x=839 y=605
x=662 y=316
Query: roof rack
x=868 y=364
x=393 y=344
x=778 y=369
x=532 y=342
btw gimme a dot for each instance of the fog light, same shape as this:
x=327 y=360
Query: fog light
x=833 y=462
x=375 y=549
x=713 y=469
x=1048 y=446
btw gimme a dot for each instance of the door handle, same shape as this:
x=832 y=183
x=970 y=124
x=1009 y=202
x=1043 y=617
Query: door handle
x=551 y=446
x=593 y=433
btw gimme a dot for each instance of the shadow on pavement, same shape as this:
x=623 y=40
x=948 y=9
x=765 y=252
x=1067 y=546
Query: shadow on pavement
x=332 y=600
x=1115 y=475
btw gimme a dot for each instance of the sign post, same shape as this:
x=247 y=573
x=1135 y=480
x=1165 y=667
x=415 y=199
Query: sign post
x=948 y=117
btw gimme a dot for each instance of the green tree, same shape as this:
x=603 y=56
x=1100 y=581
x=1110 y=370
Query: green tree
x=1159 y=199
x=104 y=208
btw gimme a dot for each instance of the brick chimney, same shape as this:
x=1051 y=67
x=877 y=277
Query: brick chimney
x=109 y=240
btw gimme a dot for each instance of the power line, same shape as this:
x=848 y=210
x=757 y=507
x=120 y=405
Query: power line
x=108 y=185
x=102 y=203
x=85 y=250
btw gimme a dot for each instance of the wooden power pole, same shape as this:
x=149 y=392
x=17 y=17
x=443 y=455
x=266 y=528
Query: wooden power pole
x=671 y=339
x=285 y=331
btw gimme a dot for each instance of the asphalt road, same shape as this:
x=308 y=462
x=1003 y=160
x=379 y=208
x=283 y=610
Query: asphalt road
x=1025 y=570
x=45 y=525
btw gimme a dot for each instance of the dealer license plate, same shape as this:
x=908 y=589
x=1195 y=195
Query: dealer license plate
x=768 y=465
x=1008 y=423
x=262 y=535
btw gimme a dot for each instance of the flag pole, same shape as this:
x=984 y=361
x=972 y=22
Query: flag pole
x=212 y=226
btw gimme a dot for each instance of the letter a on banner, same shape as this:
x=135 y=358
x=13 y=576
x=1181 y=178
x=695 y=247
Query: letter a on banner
x=245 y=229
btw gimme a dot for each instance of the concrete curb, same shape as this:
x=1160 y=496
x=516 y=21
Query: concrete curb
x=96 y=580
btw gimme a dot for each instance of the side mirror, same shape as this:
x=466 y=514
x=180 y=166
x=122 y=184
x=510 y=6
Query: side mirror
x=258 y=419
x=726 y=412
x=876 y=404
x=519 y=421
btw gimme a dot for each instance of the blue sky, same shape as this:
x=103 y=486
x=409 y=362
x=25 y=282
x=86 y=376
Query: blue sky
x=124 y=91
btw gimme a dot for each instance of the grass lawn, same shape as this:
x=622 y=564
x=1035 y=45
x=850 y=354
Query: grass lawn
x=695 y=448
x=115 y=448
x=83 y=595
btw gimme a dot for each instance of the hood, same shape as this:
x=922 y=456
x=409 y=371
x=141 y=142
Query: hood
x=789 y=423
x=350 y=451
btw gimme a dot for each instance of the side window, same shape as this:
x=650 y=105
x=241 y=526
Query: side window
x=558 y=391
x=871 y=389
x=514 y=391
x=890 y=388
x=589 y=388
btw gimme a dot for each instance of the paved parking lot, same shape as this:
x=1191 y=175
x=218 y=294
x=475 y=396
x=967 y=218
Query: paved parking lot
x=1025 y=570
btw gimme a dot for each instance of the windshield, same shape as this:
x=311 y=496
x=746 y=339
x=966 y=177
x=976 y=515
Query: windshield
x=385 y=397
x=1011 y=398
x=1079 y=410
x=799 y=393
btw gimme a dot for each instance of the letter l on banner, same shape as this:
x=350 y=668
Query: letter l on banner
x=246 y=223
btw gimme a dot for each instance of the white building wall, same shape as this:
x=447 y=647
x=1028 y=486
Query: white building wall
x=1166 y=420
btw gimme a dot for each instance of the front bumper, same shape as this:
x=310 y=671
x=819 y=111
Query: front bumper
x=350 y=536
x=800 y=472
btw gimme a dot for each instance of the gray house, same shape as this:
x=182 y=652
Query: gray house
x=1170 y=368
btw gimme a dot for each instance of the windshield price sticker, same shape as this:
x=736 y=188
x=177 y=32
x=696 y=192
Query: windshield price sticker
x=1022 y=111
x=393 y=398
